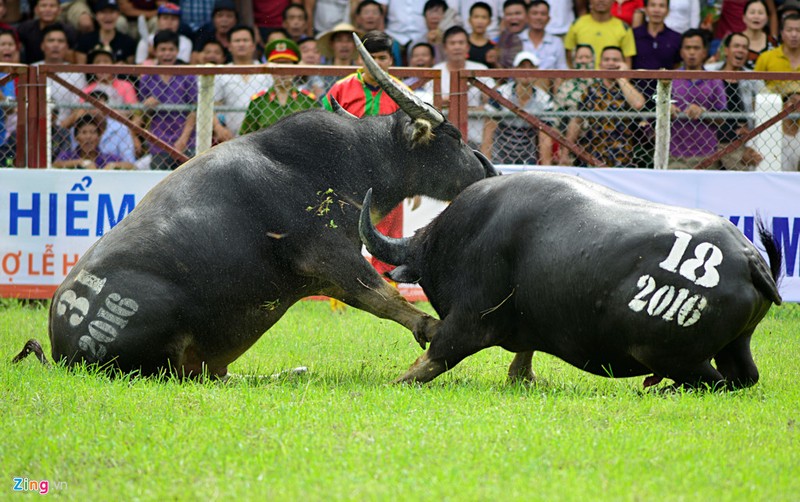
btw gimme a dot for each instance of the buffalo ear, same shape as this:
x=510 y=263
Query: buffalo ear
x=403 y=274
x=421 y=132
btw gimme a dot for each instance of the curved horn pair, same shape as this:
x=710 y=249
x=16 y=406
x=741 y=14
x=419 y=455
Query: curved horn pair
x=405 y=99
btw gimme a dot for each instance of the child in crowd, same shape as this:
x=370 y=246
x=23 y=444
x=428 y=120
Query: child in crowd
x=481 y=48
x=87 y=154
x=212 y=52
x=168 y=18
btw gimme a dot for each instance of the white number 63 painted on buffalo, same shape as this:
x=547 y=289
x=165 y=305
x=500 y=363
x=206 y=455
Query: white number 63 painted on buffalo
x=78 y=307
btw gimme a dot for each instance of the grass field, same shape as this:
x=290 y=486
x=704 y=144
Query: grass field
x=339 y=432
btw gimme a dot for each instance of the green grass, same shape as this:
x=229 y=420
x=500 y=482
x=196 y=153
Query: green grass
x=341 y=432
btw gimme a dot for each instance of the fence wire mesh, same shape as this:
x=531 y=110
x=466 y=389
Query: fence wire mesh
x=166 y=106
x=612 y=121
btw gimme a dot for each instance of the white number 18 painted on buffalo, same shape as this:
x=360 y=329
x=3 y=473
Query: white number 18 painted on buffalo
x=673 y=304
x=706 y=255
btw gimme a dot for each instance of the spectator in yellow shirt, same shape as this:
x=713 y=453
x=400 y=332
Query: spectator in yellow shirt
x=600 y=29
x=786 y=58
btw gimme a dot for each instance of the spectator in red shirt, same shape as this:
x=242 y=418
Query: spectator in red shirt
x=360 y=94
x=625 y=9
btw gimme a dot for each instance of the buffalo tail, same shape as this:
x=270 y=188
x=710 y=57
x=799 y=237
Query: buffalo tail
x=764 y=284
x=31 y=346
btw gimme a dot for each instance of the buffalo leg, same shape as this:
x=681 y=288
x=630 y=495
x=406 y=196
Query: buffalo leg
x=521 y=369
x=359 y=285
x=453 y=342
x=735 y=362
x=698 y=376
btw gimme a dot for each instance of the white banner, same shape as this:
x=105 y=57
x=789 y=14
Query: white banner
x=48 y=218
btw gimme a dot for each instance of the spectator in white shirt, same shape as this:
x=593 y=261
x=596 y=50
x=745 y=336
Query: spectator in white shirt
x=235 y=91
x=456 y=50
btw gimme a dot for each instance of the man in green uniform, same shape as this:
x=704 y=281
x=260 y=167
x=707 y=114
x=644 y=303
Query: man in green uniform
x=282 y=99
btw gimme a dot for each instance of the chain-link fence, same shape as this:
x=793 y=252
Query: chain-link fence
x=156 y=118
x=12 y=76
x=732 y=122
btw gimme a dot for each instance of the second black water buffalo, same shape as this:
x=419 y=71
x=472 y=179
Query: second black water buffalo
x=215 y=254
x=612 y=284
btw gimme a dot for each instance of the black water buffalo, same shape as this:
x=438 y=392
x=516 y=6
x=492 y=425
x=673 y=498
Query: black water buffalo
x=218 y=251
x=612 y=284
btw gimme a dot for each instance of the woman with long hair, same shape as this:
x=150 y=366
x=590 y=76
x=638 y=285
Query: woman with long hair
x=756 y=19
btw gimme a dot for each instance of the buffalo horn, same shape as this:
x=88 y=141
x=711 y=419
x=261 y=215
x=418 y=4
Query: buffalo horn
x=488 y=167
x=388 y=249
x=337 y=108
x=405 y=99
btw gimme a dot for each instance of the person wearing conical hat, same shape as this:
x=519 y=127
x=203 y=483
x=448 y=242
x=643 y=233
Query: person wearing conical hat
x=283 y=98
x=337 y=46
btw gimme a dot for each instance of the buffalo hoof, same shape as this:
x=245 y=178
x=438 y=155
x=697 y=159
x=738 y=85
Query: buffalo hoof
x=652 y=380
x=524 y=379
x=425 y=331
x=423 y=370
x=520 y=370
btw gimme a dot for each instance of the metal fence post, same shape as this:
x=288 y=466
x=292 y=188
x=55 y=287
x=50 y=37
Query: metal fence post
x=459 y=104
x=28 y=119
x=205 y=113
x=766 y=104
x=48 y=90
x=663 y=118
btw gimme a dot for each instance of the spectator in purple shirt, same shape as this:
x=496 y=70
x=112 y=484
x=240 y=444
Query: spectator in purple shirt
x=694 y=137
x=657 y=46
x=87 y=154
x=175 y=127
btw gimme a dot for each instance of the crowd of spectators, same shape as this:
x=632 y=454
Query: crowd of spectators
x=691 y=35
